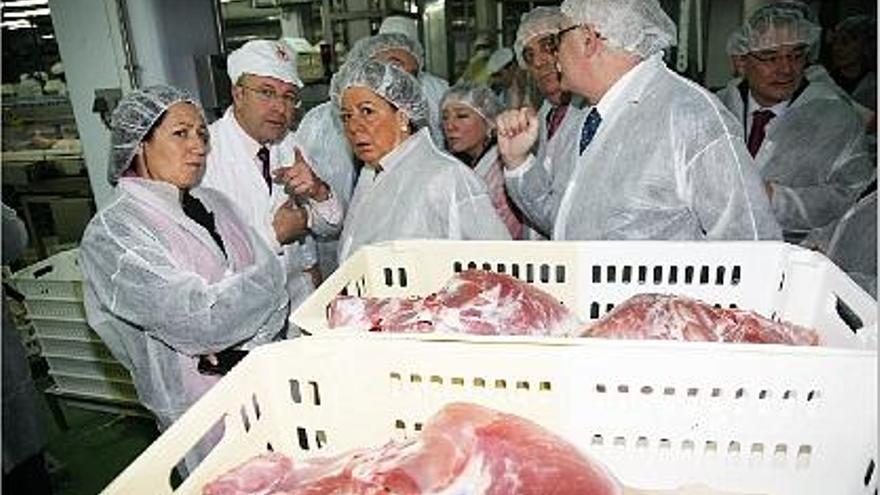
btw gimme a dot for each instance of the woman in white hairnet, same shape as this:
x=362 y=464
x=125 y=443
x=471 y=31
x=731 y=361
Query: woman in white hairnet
x=408 y=189
x=469 y=112
x=172 y=276
x=321 y=133
x=807 y=140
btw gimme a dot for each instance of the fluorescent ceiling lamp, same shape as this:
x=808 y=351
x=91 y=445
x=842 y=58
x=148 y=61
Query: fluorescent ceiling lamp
x=25 y=13
x=48 y=36
x=25 y=3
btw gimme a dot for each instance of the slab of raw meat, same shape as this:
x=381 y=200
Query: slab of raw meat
x=473 y=301
x=464 y=448
x=661 y=316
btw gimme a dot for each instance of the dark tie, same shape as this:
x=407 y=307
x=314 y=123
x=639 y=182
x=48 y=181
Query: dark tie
x=263 y=155
x=554 y=119
x=760 y=118
x=195 y=210
x=589 y=128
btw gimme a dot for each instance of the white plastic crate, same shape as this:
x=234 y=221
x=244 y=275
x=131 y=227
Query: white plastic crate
x=69 y=309
x=775 y=279
x=101 y=389
x=57 y=277
x=60 y=328
x=100 y=370
x=78 y=349
x=657 y=419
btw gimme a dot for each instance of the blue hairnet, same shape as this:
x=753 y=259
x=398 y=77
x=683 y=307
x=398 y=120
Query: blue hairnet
x=395 y=85
x=376 y=44
x=133 y=118
x=477 y=96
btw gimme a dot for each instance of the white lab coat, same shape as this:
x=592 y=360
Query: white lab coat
x=814 y=154
x=667 y=162
x=232 y=169
x=421 y=193
x=537 y=190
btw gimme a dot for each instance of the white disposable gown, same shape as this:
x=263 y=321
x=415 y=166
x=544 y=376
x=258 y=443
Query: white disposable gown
x=420 y=193
x=668 y=163
x=815 y=155
x=160 y=292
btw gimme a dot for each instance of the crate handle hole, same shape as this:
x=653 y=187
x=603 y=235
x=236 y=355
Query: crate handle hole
x=295 y=392
x=849 y=317
x=869 y=473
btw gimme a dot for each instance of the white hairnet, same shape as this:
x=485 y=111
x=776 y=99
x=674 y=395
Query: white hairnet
x=391 y=83
x=133 y=118
x=636 y=26
x=477 y=96
x=402 y=25
x=539 y=21
x=376 y=44
x=771 y=27
x=268 y=58
x=499 y=60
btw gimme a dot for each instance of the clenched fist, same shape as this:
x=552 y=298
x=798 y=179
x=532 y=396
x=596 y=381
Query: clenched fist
x=517 y=133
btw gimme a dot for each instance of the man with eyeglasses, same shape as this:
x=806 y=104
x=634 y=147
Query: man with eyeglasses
x=255 y=160
x=537 y=193
x=807 y=141
x=657 y=156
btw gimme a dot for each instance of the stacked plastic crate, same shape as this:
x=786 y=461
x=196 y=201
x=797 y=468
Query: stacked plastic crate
x=79 y=363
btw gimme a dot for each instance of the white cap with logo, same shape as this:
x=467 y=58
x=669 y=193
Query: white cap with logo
x=266 y=58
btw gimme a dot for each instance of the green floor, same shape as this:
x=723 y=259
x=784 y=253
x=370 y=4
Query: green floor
x=94 y=449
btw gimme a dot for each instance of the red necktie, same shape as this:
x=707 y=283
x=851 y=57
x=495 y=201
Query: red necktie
x=554 y=119
x=263 y=155
x=760 y=118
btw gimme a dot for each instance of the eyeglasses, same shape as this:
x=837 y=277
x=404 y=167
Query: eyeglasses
x=559 y=34
x=269 y=95
x=546 y=45
x=774 y=57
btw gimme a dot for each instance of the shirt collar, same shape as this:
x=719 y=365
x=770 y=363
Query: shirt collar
x=395 y=156
x=251 y=145
x=617 y=93
x=777 y=109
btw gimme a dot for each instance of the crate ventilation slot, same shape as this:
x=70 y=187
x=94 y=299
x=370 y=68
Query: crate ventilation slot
x=527 y=272
x=738 y=394
x=733 y=448
x=398 y=380
x=671 y=275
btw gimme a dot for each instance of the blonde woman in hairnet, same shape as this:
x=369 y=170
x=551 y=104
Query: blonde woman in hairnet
x=469 y=112
x=408 y=189
x=172 y=276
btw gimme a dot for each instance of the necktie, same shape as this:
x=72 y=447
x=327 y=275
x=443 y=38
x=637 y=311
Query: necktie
x=589 y=128
x=196 y=211
x=760 y=118
x=554 y=119
x=263 y=155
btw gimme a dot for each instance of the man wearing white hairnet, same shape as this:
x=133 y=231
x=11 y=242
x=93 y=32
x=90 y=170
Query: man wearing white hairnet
x=808 y=143
x=323 y=139
x=539 y=191
x=659 y=157
x=256 y=161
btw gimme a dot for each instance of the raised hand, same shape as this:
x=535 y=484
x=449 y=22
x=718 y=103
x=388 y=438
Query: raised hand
x=517 y=133
x=299 y=179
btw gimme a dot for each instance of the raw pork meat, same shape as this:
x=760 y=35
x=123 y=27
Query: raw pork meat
x=660 y=316
x=464 y=448
x=474 y=301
